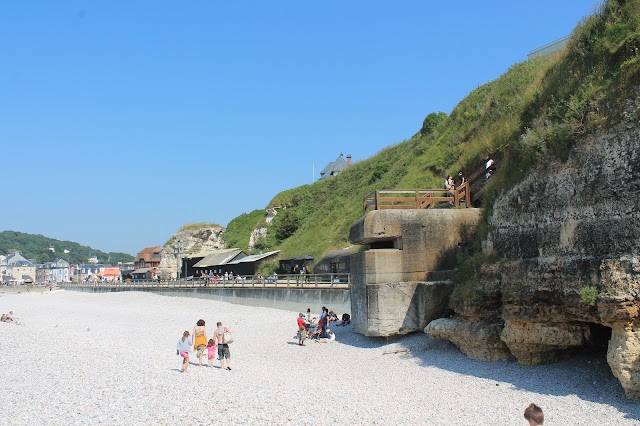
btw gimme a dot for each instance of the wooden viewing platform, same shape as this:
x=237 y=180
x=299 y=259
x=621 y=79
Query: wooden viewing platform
x=417 y=198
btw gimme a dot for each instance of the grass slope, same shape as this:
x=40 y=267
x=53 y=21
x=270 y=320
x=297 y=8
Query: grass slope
x=537 y=108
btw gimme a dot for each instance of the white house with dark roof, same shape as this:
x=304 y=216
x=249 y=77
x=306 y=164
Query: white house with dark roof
x=16 y=269
x=335 y=167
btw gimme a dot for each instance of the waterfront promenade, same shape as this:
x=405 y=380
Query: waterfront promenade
x=285 y=292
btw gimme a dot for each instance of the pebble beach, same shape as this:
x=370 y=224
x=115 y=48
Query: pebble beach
x=82 y=358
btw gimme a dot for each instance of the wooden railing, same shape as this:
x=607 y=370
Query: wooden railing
x=417 y=198
x=338 y=281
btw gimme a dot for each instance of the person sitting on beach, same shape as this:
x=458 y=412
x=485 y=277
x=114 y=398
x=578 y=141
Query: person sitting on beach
x=211 y=351
x=200 y=336
x=329 y=339
x=346 y=319
x=534 y=415
x=3 y=318
x=309 y=318
x=184 y=345
x=318 y=332
x=11 y=318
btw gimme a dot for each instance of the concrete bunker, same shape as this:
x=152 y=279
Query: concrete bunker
x=401 y=282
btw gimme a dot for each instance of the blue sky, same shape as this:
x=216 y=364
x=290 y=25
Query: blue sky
x=121 y=121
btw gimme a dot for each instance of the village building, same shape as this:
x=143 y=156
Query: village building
x=335 y=262
x=15 y=269
x=90 y=272
x=287 y=265
x=149 y=257
x=212 y=261
x=248 y=265
x=143 y=274
x=53 y=272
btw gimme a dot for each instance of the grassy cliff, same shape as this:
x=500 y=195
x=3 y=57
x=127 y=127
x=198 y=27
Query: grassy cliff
x=537 y=108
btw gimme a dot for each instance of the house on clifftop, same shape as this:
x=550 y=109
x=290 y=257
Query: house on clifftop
x=335 y=167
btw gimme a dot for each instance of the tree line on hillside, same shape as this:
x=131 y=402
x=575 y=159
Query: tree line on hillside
x=38 y=247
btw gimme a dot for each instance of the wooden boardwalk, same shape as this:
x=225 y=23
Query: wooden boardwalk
x=302 y=282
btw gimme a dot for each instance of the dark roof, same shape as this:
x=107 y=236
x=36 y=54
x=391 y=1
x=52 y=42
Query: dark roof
x=254 y=258
x=303 y=257
x=219 y=258
x=149 y=253
x=334 y=167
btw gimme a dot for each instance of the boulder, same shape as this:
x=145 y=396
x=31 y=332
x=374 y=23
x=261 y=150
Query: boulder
x=476 y=338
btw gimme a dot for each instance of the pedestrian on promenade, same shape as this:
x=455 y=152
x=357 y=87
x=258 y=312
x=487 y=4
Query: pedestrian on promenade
x=223 y=346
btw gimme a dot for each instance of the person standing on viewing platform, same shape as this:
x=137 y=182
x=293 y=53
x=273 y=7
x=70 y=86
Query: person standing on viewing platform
x=461 y=179
x=449 y=186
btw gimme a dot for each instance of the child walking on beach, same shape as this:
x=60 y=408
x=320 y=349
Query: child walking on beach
x=211 y=351
x=184 y=345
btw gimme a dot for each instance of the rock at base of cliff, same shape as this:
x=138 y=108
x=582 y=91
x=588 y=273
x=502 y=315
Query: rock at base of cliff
x=623 y=356
x=535 y=343
x=477 y=339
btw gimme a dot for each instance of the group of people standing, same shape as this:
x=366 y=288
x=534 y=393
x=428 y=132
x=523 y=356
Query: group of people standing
x=198 y=339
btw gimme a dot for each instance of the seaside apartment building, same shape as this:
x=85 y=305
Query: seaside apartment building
x=53 y=272
x=15 y=269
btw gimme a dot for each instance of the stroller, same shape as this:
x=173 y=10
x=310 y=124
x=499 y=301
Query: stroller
x=317 y=332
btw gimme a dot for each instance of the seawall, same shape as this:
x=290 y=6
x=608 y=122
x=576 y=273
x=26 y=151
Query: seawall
x=291 y=299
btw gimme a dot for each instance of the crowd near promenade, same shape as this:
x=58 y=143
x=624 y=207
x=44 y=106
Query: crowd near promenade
x=111 y=358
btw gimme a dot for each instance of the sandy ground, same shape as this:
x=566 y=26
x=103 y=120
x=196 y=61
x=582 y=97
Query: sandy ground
x=81 y=358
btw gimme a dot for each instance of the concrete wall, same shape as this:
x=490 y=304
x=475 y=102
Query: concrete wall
x=391 y=292
x=291 y=299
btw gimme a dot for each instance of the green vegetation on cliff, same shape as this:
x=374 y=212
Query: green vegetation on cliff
x=36 y=246
x=537 y=108
x=239 y=229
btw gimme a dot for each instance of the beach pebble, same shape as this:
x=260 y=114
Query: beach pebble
x=126 y=371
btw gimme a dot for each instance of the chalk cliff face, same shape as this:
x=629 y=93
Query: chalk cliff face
x=195 y=240
x=261 y=231
x=568 y=239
